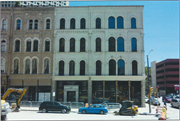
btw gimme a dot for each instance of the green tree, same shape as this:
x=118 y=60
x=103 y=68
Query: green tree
x=17 y=4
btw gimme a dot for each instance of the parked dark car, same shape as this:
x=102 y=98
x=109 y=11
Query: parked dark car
x=53 y=106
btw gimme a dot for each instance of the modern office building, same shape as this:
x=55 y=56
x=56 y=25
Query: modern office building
x=99 y=52
x=166 y=75
x=43 y=3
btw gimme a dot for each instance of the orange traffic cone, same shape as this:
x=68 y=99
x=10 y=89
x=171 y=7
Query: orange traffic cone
x=162 y=117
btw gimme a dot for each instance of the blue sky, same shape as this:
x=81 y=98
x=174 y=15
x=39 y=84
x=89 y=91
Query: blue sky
x=161 y=26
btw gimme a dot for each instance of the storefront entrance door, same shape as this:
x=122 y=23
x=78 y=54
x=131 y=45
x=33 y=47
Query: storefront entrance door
x=71 y=96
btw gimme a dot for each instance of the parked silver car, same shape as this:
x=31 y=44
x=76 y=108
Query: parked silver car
x=175 y=103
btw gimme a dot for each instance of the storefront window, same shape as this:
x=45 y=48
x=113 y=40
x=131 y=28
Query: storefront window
x=110 y=91
x=136 y=92
x=97 y=91
x=123 y=91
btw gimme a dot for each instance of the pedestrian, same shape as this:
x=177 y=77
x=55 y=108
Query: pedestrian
x=164 y=102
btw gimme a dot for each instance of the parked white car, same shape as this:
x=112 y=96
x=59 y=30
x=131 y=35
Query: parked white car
x=175 y=103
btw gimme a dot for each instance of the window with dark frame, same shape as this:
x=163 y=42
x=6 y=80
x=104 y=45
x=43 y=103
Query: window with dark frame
x=28 y=46
x=36 y=24
x=4 y=24
x=35 y=46
x=17 y=46
x=83 y=23
x=133 y=23
x=48 y=24
x=71 y=68
x=120 y=22
x=98 y=45
x=82 y=68
x=30 y=24
x=98 y=67
x=120 y=44
x=72 y=45
x=34 y=66
x=61 y=45
x=112 y=67
x=111 y=44
x=98 y=23
x=134 y=67
x=3 y=46
x=61 y=68
x=46 y=66
x=18 y=24
x=72 y=23
x=121 y=67
x=47 y=46
x=133 y=45
x=82 y=45
x=111 y=22
x=16 y=66
x=62 y=23
x=27 y=66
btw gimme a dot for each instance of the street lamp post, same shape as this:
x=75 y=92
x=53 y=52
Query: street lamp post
x=149 y=83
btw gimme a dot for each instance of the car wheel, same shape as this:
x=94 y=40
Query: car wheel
x=101 y=112
x=3 y=117
x=44 y=110
x=84 y=111
x=64 y=111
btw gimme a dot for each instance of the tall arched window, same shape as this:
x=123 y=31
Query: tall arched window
x=28 y=46
x=3 y=46
x=83 y=23
x=98 y=67
x=17 y=46
x=71 y=68
x=16 y=66
x=35 y=46
x=36 y=24
x=82 y=45
x=18 y=24
x=62 y=23
x=112 y=67
x=82 y=67
x=61 y=68
x=4 y=24
x=133 y=23
x=3 y=65
x=34 y=66
x=47 y=23
x=61 y=45
x=30 y=24
x=72 y=45
x=72 y=23
x=121 y=67
x=111 y=22
x=134 y=68
x=133 y=45
x=98 y=23
x=47 y=46
x=111 y=44
x=46 y=66
x=27 y=66
x=120 y=23
x=98 y=45
x=120 y=44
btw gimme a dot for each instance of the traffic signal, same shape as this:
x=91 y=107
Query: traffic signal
x=132 y=90
x=151 y=90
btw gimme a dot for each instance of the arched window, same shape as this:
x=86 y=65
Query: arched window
x=27 y=66
x=72 y=45
x=82 y=45
x=82 y=68
x=18 y=24
x=34 y=66
x=17 y=46
x=111 y=22
x=3 y=65
x=47 y=23
x=62 y=23
x=98 y=45
x=120 y=23
x=4 y=23
x=3 y=46
x=120 y=44
x=98 y=67
x=72 y=23
x=61 y=68
x=121 y=68
x=46 y=66
x=16 y=66
x=83 y=23
x=30 y=24
x=133 y=45
x=61 y=45
x=133 y=23
x=47 y=46
x=112 y=67
x=111 y=44
x=98 y=23
x=71 y=68
x=28 y=46
x=134 y=67
x=35 y=46
x=36 y=24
